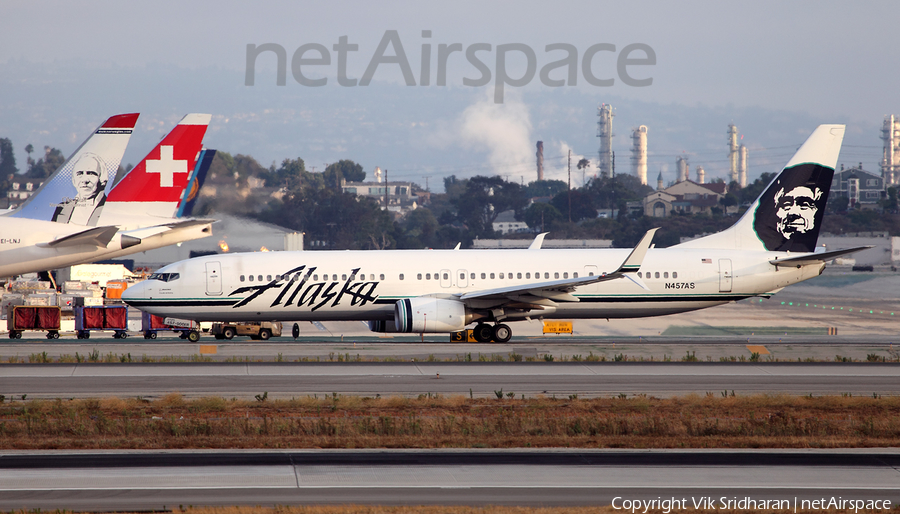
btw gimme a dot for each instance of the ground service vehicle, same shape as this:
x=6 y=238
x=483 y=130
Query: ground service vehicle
x=263 y=330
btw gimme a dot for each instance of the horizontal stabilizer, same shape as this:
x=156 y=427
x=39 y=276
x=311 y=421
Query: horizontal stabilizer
x=814 y=258
x=99 y=237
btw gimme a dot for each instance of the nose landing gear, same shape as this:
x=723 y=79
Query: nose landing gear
x=499 y=333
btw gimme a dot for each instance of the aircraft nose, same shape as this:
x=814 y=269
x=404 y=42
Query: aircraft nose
x=135 y=292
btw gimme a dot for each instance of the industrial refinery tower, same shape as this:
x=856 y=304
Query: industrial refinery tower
x=737 y=157
x=605 y=133
x=639 y=153
x=890 y=163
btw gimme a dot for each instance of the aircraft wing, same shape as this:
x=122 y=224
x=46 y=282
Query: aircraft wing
x=97 y=236
x=814 y=258
x=144 y=233
x=560 y=290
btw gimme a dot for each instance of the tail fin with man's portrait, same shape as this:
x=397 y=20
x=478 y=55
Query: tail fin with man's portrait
x=71 y=195
x=788 y=215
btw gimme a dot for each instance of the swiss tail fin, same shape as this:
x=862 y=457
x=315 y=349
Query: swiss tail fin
x=156 y=185
x=77 y=191
x=787 y=216
x=198 y=177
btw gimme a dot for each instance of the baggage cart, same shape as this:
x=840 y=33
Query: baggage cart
x=152 y=324
x=101 y=318
x=33 y=317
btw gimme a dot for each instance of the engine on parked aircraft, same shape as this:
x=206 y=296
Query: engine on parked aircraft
x=430 y=315
x=382 y=326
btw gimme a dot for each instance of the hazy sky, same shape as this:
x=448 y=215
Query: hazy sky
x=784 y=64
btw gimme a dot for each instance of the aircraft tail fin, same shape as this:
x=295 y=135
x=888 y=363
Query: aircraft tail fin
x=156 y=185
x=76 y=192
x=198 y=177
x=788 y=214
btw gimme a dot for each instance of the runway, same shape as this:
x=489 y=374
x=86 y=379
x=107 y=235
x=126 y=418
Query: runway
x=285 y=380
x=158 y=480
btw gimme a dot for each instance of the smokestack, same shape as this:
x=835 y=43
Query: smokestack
x=701 y=175
x=540 y=160
x=377 y=174
x=890 y=162
x=604 y=132
x=733 y=152
x=742 y=166
x=681 y=164
x=639 y=153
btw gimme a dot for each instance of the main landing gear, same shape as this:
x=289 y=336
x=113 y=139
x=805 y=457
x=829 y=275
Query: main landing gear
x=499 y=333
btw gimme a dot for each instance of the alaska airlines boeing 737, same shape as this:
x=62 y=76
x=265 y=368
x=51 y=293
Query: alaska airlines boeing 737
x=770 y=247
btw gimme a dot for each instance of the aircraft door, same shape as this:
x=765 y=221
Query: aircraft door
x=213 y=278
x=463 y=278
x=446 y=278
x=725 y=275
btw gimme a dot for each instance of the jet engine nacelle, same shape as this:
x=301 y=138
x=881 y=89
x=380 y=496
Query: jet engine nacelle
x=381 y=325
x=429 y=315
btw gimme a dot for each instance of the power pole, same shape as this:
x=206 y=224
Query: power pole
x=569 y=191
x=426 y=183
x=387 y=191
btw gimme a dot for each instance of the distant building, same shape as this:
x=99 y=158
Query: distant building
x=686 y=196
x=861 y=187
x=20 y=188
x=506 y=223
x=399 y=195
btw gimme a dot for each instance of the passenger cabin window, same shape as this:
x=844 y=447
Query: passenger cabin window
x=674 y=274
x=482 y=276
x=315 y=277
x=556 y=274
x=344 y=276
x=546 y=275
x=472 y=276
x=518 y=275
x=428 y=276
x=462 y=276
x=666 y=274
x=501 y=275
x=401 y=276
x=492 y=276
x=382 y=276
x=446 y=276
x=575 y=275
x=242 y=278
x=639 y=274
x=528 y=275
x=334 y=277
x=419 y=276
x=566 y=274
x=656 y=275
x=251 y=278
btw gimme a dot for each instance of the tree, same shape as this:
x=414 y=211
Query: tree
x=485 y=198
x=343 y=169
x=582 y=165
x=7 y=159
x=541 y=216
x=544 y=188
x=45 y=166
x=29 y=149
x=582 y=205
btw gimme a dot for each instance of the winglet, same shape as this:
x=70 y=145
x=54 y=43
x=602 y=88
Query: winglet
x=538 y=241
x=98 y=236
x=636 y=257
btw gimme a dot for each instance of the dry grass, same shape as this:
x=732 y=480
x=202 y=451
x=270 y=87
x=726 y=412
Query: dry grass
x=453 y=422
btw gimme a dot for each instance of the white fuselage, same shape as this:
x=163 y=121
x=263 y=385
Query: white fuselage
x=365 y=285
x=24 y=249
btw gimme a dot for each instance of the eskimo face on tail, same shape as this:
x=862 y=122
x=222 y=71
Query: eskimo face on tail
x=790 y=211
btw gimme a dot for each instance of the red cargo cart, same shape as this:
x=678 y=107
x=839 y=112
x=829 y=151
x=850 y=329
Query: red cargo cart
x=31 y=317
x=152 y=324
x=101 y=318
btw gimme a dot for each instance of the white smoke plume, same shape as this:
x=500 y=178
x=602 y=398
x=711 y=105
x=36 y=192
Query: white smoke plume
x=504 y=131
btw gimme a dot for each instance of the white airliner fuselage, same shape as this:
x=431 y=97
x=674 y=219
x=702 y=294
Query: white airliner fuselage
x=335 y=285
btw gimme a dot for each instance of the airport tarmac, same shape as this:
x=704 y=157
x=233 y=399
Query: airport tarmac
x=153 y=480
x=478 y=379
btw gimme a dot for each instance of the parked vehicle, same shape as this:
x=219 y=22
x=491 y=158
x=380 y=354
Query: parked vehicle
x=263 y=330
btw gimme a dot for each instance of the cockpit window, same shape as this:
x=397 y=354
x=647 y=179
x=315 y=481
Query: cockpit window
x=164 y=277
